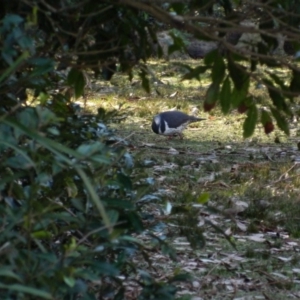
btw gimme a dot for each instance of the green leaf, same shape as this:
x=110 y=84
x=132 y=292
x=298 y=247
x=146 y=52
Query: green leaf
x=227 y=5
x=212 y=93
x=218 y=70
x=181 y=277
x=113 y=216
x=42 y=234
x=71 y=187
x=203 y=198
x=29 y=118
x=70 y=281
x=237 y=97
x=178 y=7
x=23 y=157
x=78 y=204
x=253 y=65
x=281 y=121
x=295 y=82
x=76 y=80
x=124 y=181
x=45 y=115
x=135 y=221
x=43 y=98
x=145 y=81
x=14 y=65
x=132 y=240
x=276 y=96
x=196 y=238
x=210 y=57
x=7 y=271
x=7 y=137
x=250 y=122
x=265 y=117
x=120 y=204
x=225 y=96
x=79 y=85
x=27 y=290
x=178 y=43
x=94 y=196
x=100 y=159
x=19 y=162
x=238 y=75
x=106 y=268
x=72 y=76
x=166 y=249
x=41 y=66
x=194 y=73
x=90 y=149
x=11 y=19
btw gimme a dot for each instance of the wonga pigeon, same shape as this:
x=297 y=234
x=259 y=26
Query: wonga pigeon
x=172 y=122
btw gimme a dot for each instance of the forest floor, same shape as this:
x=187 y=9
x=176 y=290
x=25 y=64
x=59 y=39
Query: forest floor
x=229 y=206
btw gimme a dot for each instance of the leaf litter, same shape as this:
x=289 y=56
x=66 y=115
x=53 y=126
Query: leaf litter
x=242 y=242
x=245 y=188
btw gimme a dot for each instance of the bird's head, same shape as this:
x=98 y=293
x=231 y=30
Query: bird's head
x=156 y=124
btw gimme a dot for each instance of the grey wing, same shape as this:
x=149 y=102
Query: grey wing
x=176 y=118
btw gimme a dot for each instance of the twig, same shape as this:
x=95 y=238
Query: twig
x=287 y=178
x=285 y=173
x=97 y=230
x=125 y=138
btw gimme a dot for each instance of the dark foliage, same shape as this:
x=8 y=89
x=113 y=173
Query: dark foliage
x=67 y=200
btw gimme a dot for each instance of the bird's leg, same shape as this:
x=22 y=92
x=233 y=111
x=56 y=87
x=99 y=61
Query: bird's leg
x=181 y=135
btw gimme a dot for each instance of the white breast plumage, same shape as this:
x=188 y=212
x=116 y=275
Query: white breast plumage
x=172 y=131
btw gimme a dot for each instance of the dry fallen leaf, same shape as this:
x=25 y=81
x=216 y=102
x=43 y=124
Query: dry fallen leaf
x=241 y=226
x=257 y=238
x=173 y=94
x=173 y=151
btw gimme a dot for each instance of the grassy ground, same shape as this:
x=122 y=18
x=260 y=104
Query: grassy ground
x=230 y=206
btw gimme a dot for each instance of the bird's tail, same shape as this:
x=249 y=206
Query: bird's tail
x=195 y=119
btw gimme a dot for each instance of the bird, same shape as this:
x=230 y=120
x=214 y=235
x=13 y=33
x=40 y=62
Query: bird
x=172 y=123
